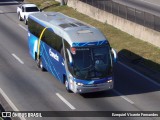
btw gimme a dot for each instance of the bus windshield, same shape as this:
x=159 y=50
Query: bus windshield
x=92 y=62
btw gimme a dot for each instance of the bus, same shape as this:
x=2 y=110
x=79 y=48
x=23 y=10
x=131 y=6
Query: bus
x=75 y=53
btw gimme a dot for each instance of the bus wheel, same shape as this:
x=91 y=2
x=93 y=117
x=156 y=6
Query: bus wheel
x=41 y=65
x=67 y=86
x=38 y=62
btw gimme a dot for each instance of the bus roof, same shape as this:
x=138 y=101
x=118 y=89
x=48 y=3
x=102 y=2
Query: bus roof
x=76 y=32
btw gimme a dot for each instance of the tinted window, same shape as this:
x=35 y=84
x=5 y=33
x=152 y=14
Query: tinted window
x=92 y=62
x=52 y=39
x=49 y=37
x=31 y=9
x=34 y=27
x=22 y=9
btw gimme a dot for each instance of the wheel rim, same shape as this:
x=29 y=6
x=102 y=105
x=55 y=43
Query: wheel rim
x=41 y=65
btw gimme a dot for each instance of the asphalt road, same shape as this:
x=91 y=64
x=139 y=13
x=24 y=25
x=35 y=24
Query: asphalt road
x=26 y=88
x=150 y=6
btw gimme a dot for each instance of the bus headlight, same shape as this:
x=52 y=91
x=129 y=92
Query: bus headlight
x=71 y=81
x=109 y=81
x=79 y=84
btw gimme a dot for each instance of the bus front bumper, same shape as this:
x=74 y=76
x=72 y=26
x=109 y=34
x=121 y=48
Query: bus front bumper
x=93 y=88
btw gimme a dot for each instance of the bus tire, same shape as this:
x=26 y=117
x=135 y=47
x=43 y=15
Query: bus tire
x=38 y=62
x=67 y=85
x=41 y=65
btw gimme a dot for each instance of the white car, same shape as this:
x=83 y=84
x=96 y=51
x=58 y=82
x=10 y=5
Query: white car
x=24 y=10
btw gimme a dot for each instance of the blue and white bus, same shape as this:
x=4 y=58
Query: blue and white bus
x=77 y=54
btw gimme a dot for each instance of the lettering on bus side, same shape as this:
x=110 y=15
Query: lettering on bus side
x=53 y=55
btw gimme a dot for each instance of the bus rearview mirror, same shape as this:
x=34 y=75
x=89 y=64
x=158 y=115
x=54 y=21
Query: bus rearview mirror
x=70 y=58
x=114 y=53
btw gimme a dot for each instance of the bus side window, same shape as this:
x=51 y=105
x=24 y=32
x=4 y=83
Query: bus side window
x=53 y=40
x=34 y=28
x=47 y=38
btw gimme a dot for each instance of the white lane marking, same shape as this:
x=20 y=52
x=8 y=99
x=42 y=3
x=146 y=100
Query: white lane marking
x=150 y=3
x=122 y=96
x=22 y=27
x=10 y=102
x=65 y=101
x=147 y=78
x=17 y=58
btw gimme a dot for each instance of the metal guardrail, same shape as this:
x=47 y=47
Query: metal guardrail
x=141 y=17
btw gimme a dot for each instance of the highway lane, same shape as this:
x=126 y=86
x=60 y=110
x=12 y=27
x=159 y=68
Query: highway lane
x=20 y=51
x=14 y=75
x=144 y=94
x=28 y=88
x=150 y=6
x=36 y=90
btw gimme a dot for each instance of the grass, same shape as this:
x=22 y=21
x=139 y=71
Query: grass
x=43 y=4
x=118 y=39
